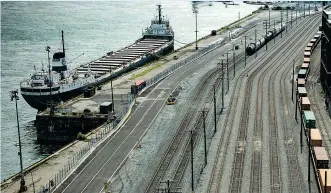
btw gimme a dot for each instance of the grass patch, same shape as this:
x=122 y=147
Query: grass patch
x=81 y=137
x=135 y=76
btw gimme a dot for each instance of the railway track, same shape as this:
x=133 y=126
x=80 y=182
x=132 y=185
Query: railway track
x=295 y=177
x=296 y=180
x=182 y=132
x=215 y=180
x=237 y=172
x=214 y=183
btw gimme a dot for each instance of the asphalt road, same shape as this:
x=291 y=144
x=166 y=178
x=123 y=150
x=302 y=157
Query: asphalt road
x=101 y=165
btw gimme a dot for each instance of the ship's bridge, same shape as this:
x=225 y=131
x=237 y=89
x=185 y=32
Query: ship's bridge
x=159 y=28
x=59 y=62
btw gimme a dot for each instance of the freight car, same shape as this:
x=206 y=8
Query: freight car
x=254 y=47
x=321 y=157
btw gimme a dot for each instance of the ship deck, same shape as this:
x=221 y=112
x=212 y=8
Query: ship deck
x=123 y=57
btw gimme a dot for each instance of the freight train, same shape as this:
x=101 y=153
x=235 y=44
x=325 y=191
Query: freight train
x=254 y=47
x=318 y=151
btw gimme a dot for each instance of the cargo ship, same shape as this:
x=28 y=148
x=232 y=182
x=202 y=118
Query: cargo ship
x=59 y=84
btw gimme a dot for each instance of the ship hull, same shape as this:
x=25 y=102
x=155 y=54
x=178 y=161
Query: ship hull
x=41 y=102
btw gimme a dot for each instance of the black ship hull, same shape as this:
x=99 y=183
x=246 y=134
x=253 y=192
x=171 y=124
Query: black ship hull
x=41 y=102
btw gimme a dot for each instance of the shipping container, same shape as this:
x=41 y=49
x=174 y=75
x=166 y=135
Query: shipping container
x=305 y=103
x=302 y=92
x=301 y=82
x=302 y=73
x=308 y=49
x=313 y=41
x=309 y=119
x=305 y=66
x=316 y=138
x=306 y=54
x=321 y=158
x=321 y=174
x=306 y=60
x=310 y=45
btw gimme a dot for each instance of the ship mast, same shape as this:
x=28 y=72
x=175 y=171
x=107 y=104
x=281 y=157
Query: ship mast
x=159 y=9
x=63 y=43
x=49 y=69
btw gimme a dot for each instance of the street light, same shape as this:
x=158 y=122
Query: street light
x=196 y=29
x=13 y=95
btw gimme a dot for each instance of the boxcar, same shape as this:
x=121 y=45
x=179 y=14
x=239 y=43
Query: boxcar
x=313 y=41
x=321 y=158
x=301 y=82
x=321 y=175
x=306 y=54
x=312 y=46
x=306 y=60
x=305 y=66
x=302 y=92
x=316 y=138
x=305 y=103
x=309 y=119
x=307 y=49
x=302 y=74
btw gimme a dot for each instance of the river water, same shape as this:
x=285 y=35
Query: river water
x=93 y=28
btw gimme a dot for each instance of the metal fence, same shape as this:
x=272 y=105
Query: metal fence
x=79 y=157
x=180 y=64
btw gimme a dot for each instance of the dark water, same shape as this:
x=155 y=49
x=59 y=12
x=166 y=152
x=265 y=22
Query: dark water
x=92 y=28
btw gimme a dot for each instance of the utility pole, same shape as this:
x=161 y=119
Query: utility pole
x=196 y=29
x=296 y=103
x=269 y=17
x=215 y=123
x=192 y=179
x=245 y=51
x=304 y=9
x=292 y=81
x=255 y=44
x=204 y=134
x=239 y=16
x=222 y=87
x=13 y=96
x=301 y=127
x=227 y=70
x=291 y=17
x=309 y=8
x=281 y=23
x=286 y=19
x=309 y=143
x=266 y=32
x=296 y=15
x=234 y=62
x=273 y=34
x=112 y=94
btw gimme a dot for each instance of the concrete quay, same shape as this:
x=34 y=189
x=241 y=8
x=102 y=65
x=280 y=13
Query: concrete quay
x=44 y=170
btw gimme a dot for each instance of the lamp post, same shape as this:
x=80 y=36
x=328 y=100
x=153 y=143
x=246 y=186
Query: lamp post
x=13 y=96
x=196 y=29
